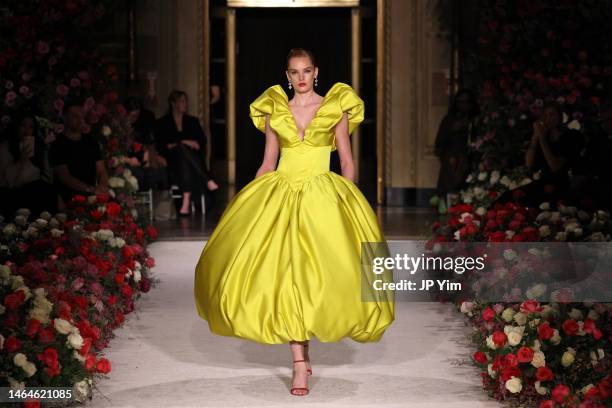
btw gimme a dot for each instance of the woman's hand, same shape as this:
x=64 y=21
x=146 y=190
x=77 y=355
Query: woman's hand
x=191 y=143
x=539 y=129
x=171 y=145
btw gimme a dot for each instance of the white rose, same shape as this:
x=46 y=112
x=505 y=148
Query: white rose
x=116 y=182
x=20 y=359
x=574 y=124
x=538 y=360
x=544 y=230
x=5 y=272
x=2 y=309
x=514 y=385
x=20 y=220
x=16 y=281
x=75 y=341
x=45 y=215
x=494 y=177
x=536 y=291
x=56 y=233
x=508 y=314
x=1 y=342
x=16 y=385
x=520 y=318
x=514 y=338
x=560 y=236
x=505 y=180
x=106 y=131
x=81 y=391
x=567 y=359
x=490 y=343
x=78 y=356
x=137 y=276
x=539 y=389
x=482 y=176
x=63 y=326
x=545 y=206
x=466 y=307
x=29 y=368
x=575 y=314
x=492 y=373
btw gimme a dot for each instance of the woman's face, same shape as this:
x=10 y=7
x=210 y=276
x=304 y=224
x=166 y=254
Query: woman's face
x=26 y=128
x=181 y=104
x=302 y=73
x=551 y=118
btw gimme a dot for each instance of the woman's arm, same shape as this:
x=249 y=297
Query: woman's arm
x=270 y=152
x=533 y=147
x=343 y=144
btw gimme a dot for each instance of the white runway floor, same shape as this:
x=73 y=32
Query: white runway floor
x=164 y=356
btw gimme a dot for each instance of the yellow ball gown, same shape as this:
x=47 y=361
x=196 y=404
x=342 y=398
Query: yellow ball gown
x=283 y=263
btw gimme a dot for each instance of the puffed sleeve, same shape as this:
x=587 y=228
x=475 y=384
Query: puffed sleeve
x=262 y=106
x=350 y=103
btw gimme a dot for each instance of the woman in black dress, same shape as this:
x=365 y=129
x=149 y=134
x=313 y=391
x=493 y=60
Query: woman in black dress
x=451 y=145
x=179 y=138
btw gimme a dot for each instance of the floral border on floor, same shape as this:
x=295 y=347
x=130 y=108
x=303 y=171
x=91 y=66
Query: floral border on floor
x=530 y=353
x=67 y=280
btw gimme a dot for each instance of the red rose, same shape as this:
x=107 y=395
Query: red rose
x=597 y=333
x=545 y=332
x=525 y=354
x=112 y=299
x=32 y=327
x=90 y=362
x=126 y=291
x=588 y=326
x=12 y=344
x=152 y=232
x=45 y=335
x=560 y=393
x=488 y=314
x=570 y=327
x=119 y=278
x=531 y=306
x=31 y=403
x=497 y=236
x=12 y=301
x=103 y=366
x=511 y=360
x=547 y=404
x=509 y=372
x=605 y=387
x=499 y=338
x=102 y=197
x=544 y=374
x=145 y=286
x=113 y=210
x=480 y=357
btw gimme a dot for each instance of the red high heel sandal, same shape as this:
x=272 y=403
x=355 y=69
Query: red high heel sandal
x=299 y=388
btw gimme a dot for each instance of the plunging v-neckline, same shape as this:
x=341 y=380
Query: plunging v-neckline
x=302 y=139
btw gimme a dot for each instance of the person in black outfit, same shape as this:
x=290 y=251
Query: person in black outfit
x=180 y=140
x=451 y=144
x=25 y=175
x=591 y=179
x=141 y=144
x=77 y=161
x=553 y=151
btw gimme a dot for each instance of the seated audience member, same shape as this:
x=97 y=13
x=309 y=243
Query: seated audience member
x=76 y=158
x=146 y=165
x=553 y=152
x=24 y=170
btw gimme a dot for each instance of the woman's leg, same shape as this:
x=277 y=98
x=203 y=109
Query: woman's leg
x=186 y=201
x=300 y=375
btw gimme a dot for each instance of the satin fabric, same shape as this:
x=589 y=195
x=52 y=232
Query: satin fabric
x=284 y=261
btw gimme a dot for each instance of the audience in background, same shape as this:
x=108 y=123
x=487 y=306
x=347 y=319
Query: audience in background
x=146 y=165
x=451 y=145
x=24 y=170
x=76 y=158
x=179 y=139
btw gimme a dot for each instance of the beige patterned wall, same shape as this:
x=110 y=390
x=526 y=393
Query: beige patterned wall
x=419 y=61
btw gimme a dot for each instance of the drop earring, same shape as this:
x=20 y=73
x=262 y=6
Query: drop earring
x=289 y=84
x=316 y=81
